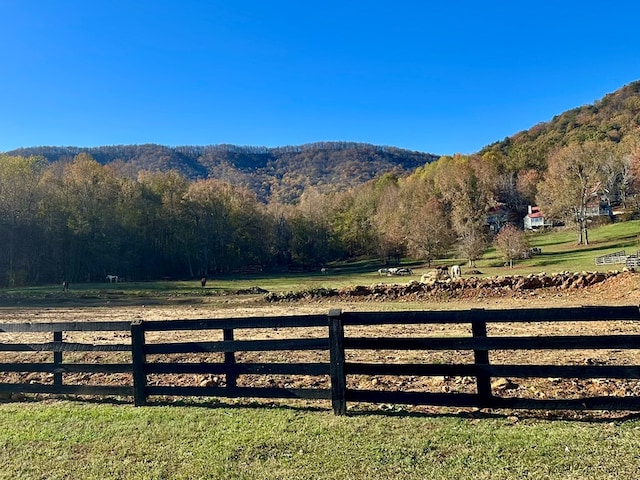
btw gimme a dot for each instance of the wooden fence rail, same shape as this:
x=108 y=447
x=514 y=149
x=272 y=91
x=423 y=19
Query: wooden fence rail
x=612 y=258
x=630 y=261
x=151 y=357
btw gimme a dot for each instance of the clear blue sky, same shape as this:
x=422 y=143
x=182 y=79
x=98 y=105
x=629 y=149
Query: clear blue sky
x=438 y=77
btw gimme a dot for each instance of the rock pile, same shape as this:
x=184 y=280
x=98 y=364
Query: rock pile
x=499 y=286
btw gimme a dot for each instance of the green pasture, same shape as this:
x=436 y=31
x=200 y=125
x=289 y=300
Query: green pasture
x=560 y=252
x=86 y=441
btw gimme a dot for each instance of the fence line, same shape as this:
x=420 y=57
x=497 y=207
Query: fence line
x=621 y=257
x=150 y=360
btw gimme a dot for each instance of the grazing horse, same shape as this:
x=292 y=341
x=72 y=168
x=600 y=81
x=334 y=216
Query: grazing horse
x=65 y=286
x=455 y=271
x=203 y=282
x=112 y=278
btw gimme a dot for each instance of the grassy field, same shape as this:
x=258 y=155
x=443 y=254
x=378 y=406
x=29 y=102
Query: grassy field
x=560 y=251
x=68 y=441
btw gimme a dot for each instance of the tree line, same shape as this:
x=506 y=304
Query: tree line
x=79 y=220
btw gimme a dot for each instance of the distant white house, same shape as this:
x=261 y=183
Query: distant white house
x=534 y=219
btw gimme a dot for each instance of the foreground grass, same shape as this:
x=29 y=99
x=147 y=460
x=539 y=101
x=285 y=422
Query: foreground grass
x=68 y=441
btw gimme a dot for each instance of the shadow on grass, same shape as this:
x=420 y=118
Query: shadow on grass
x=583 y=416
x=357 y=410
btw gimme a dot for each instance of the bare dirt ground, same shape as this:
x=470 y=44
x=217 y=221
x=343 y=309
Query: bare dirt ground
x=623 y=289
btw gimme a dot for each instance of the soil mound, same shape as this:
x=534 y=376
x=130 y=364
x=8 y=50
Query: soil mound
x=471 y=287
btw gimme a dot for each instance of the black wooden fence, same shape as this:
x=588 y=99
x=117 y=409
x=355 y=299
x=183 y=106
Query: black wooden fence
x=149 y=357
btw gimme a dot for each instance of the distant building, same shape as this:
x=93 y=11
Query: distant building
x=599 y=207
x=497 y=217
x=534 y=219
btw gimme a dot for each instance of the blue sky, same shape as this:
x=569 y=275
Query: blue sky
x=443 y=78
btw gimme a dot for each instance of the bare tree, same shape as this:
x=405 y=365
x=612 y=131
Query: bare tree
x=573 y=180
x=511 y=242
x=429 y=233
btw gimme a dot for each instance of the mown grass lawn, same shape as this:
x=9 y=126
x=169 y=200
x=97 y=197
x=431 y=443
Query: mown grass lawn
x=65 y=440
x=560 y=251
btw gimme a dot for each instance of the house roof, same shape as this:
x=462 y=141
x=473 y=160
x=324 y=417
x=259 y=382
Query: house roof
x=535 y=213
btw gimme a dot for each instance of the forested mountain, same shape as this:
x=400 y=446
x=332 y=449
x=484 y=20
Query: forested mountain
x=614 y=119
x=274 y=174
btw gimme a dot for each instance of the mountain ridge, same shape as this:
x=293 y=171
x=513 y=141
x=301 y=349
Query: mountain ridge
x=273 y=173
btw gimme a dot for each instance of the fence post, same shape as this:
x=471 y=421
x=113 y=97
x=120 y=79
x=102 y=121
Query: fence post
x=481 y=357
x=229 y=360
x=57 y=360
x=138 y=358
x=337 y=360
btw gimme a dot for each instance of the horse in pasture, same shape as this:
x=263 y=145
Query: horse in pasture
x=404 y=271
x=112 y=278
x=455 y=271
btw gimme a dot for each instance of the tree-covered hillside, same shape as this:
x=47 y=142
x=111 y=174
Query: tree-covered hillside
x=274 y=174
x=613 y=119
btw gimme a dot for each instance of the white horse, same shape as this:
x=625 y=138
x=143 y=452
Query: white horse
x=455 y=271
x=112 y=278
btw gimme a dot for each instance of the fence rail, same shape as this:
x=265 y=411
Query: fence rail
x=621 y=257
x=151 y=356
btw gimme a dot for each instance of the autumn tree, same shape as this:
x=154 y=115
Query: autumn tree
x=78 y=212
x=88 y=197
x=511 y=242
x=573 y=179
x=527 y=187
x=428 y=231
x=311 y=239
x=19 y=230
x=388 y=223
x=467 y=189
x=280 y=232
x=352 y=220
x=162 y=223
